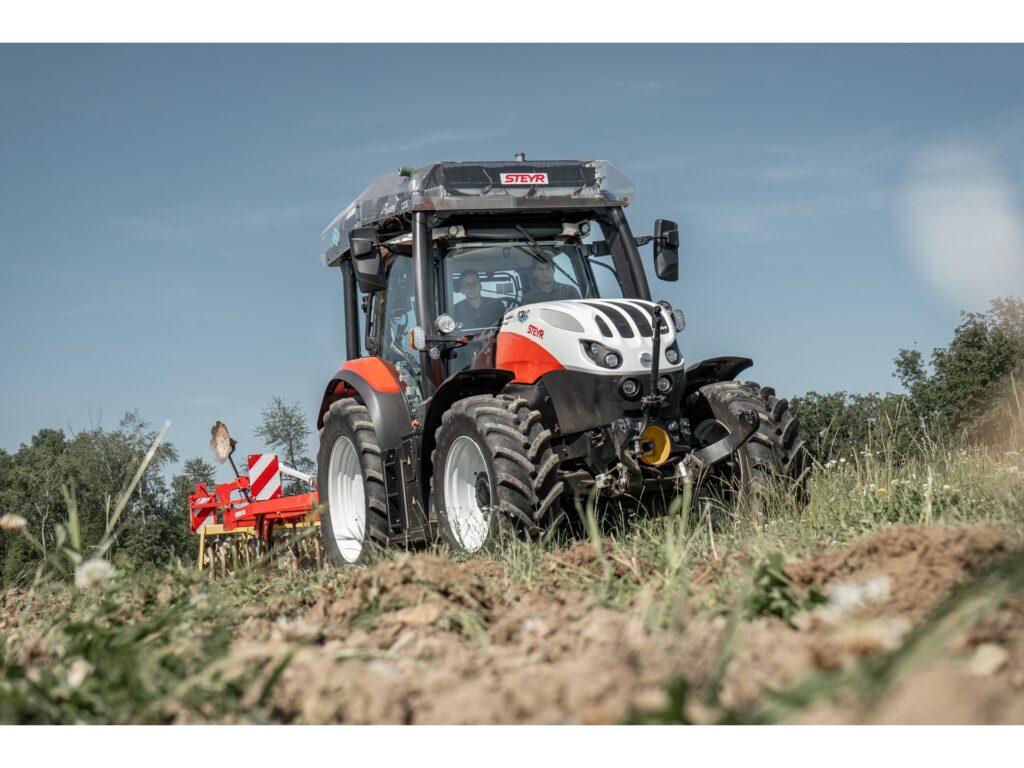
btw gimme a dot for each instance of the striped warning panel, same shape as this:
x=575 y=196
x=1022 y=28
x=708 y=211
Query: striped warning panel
x=206 y=515
x=264 y=477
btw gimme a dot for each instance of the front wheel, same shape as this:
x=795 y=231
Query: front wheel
x=350 y=479
x=495 y=474
x=773 y=459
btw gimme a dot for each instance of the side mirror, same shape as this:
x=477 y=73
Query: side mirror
x=366 y=261
x=666 y=249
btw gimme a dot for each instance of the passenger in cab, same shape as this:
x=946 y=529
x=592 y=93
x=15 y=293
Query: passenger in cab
x=545 y=288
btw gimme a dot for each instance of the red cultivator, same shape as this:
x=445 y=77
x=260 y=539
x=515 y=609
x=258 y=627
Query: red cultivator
x=240 y=519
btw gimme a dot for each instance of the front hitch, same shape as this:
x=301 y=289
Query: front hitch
x=697 y=461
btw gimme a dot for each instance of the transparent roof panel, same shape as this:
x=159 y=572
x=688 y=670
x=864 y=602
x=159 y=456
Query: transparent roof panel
x=479 y=186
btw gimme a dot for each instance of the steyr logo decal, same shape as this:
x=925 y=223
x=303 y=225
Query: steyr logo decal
x=524 y=178
x=533 y=330
x=523 y=314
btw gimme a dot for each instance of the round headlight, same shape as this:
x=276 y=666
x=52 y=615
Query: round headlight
x=672 y=355
x=445 y=323
x=585 y=228
x=612 y=360
x=665 y=384
x=673 y=426
x=630 y=387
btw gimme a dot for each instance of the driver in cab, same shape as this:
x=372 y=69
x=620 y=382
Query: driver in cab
x=475 y=311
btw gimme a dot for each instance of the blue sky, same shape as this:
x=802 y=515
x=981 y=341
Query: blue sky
x=160 y=206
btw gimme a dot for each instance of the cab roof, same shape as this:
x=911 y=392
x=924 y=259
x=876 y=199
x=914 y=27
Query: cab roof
x=478 y=186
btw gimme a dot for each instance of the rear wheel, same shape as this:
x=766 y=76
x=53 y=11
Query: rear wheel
x=772 y=460
x=495 y=474
x=350 y=481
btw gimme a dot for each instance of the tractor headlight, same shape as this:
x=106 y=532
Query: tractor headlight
x=445 y=323
x=672 y=354
x=630 y=388
x=600 y=354
x=665 y=384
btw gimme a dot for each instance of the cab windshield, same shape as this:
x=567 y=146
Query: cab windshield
x=485 y=279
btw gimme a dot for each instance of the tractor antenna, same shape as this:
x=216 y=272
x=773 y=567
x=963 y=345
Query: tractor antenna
x=520 y=157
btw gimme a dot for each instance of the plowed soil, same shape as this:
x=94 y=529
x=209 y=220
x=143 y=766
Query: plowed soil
x=420 y=639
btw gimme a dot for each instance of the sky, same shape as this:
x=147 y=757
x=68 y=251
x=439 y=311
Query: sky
x=160 y=205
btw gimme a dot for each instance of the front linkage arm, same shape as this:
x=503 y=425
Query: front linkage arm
x=697 y=461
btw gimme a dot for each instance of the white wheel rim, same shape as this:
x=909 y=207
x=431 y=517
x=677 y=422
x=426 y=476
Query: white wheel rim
x=346 y=499
x=463 y=469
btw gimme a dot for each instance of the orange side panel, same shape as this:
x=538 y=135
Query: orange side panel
x=527 y=359
x=379 y=374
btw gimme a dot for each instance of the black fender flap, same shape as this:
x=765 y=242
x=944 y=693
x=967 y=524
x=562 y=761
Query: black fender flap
x=714 y=369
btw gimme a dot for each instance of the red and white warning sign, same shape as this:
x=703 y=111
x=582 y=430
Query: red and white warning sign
x=203 y=513
x=264 y=476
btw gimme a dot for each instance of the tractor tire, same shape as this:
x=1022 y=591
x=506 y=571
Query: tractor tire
x=774 y=458
x=495 y=475
x=350 y=481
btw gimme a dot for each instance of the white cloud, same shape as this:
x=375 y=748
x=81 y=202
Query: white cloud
x=964 y=226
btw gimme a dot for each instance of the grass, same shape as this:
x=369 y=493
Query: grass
x=156 y=647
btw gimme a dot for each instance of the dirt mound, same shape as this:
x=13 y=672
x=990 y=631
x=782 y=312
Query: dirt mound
x=921 y=564
x=543 y=659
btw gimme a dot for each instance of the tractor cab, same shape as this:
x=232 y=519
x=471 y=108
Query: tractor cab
x=452 y=248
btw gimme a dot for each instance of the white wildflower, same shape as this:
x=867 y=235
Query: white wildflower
x=847 y=597
x=78 y=671
x=93 y=574
x=12 y=522
x=947 y=488
x=842 y=461
x=830 y=463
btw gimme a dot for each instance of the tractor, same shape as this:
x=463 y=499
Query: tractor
x=505 y=360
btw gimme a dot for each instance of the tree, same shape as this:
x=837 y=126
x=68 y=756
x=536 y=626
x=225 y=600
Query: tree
x=96 y=466
x=968 y=384
x=284 y=428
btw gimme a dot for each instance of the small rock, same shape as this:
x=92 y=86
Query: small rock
x=988 y=659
